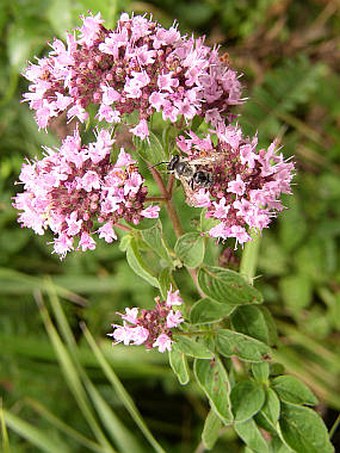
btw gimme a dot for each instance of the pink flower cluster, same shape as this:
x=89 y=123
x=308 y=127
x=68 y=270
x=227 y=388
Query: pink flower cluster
x=77 y=192
x=246 y=183
x=153 y=328
x=140 y=66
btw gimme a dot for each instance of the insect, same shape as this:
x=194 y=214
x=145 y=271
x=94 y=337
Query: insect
x=192 y=171
x=193 y=174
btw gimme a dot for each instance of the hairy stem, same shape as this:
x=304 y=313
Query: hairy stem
x=166 y=197
x=122 y=227
x=249 y=258
x=169 y=204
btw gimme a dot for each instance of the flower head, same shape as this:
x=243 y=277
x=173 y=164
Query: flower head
x=139 y=66
x=153 y=328
x=246 y=183
x=77 y=192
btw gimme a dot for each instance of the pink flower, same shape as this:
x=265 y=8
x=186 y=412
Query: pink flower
x=122 y=334
x=90 y=29
x=141 y=130
x=163 y=343
x=174 y=319
x=131 y=315
x=153 y=328
x=245 y=184
x=173 y=298
x=78 y=192
x=118 y=71
x=107 y=233
x=86 y=242
x=140 y=335
x=151 y=212
x=237 y=186
x=202 y=199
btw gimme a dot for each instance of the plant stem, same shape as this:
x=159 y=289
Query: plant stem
x=160 y=199
x=249 y=257
x=169 y=204
x=122 y=227
x=166 y=196
x=334 y=427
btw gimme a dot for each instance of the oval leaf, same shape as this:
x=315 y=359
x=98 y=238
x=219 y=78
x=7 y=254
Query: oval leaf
x=247 y=398
x=211 y=430
x=192 y=348
x=206 y=310
x=231 y=343
x=137 y=264
x=227 y=286
x=256 y=322
x=190 y=249
x=179 y=365
x=303 y=430
x=269 y=414
x=151 y=150
x=261 y=372
x=154 y=239
x=251 y=436
x=291 y=390
x=213 y=379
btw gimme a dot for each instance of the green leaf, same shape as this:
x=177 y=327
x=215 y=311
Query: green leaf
x=192 y=348
x=269 y=414
x=206 y=310
x=35 y=436
x=165 y=281
x=152 y=150
x=261 y=372
x=137 y=263
x=277 y=446
x=303 y=430
x=231 y=343
x=251 y=436
x=153 y=237
x=291 y=390
x=190 y=249
x=256 y=322
x=227 y=286
x=179 y=364
x=213 y=379
x=211 y=430
x=247 y=398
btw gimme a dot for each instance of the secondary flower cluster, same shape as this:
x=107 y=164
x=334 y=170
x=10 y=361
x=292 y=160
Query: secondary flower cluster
x=140 y=66
x=153 y=328
x=77 y=192
x=246 y=183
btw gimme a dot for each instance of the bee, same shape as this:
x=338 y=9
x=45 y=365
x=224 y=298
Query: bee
x=193 y=174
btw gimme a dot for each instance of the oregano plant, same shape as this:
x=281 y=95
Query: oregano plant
x=154 y=138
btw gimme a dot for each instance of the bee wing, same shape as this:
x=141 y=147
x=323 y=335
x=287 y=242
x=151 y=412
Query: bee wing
x=189 y=193
x=205 y=160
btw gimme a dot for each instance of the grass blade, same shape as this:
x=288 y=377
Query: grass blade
x=121 y=392
x=72 y=377
x=4 y=434
x=124 y=439
x=63 y=427
x=34 y=435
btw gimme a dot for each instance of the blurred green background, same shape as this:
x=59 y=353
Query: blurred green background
x=288 y=52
